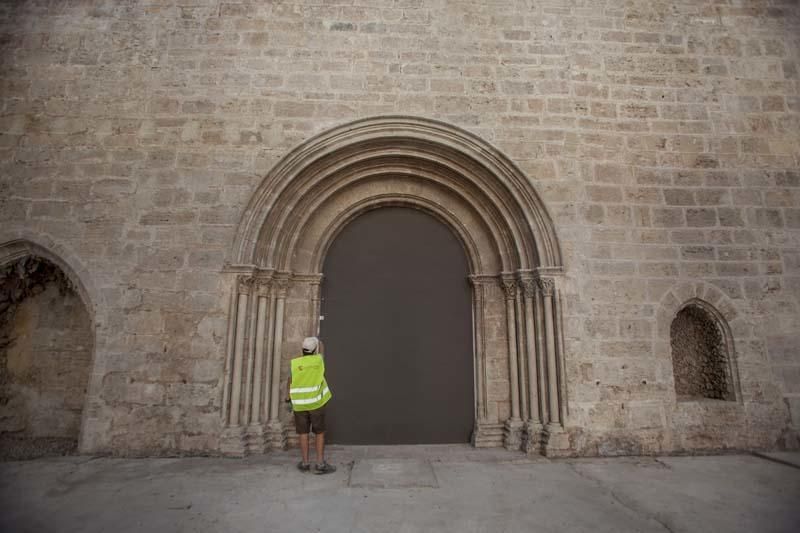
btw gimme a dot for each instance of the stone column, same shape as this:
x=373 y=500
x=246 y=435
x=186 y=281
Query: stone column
x=232 y=438
x=245 y=285
x=555 y=439
x=268 y=356
x=562 y=382
x=541 y=354
x=521 y=351
x=277 y=435
x=513 y=425
x=231 y=333
x=546 y=285
x=486 y=433
x=249 y=359
x=261 y=332
x=533 y=427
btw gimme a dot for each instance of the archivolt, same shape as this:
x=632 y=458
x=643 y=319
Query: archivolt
x=393 y=160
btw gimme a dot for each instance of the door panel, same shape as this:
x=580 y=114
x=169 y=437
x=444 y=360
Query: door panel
x=397 y=331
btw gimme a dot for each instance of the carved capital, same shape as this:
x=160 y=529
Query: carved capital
x=529 y=286
x=546 y=285
x=509 y=288
x=281 y=287
x=264 y=285
x=245 y=283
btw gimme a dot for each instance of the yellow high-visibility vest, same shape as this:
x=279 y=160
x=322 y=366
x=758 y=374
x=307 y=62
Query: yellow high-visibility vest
x=309 y=390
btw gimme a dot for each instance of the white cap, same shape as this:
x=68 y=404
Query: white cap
x=310 y=344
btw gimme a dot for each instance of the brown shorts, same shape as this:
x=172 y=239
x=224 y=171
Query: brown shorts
x=303 y=420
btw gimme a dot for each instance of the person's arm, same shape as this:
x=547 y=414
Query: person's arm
x=289 y=386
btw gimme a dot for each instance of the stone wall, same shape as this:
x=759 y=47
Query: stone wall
x=662 y=137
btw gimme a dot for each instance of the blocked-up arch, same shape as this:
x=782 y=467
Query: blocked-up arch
x=47 y=359
x=18 y=248
x=276 y=259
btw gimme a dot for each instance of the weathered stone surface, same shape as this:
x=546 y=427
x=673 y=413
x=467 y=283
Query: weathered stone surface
x=662 y=143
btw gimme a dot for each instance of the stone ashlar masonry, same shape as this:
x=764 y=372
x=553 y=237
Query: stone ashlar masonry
x=662 y=137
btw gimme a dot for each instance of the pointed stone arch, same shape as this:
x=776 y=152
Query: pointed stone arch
x=508 y=235
x=17 y=248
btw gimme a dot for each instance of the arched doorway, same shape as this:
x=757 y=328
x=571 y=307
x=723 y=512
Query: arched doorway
x=397 y=331
x=275 y=274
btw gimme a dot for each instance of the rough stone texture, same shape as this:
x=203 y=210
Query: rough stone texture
x=661 y=136
x=699 y=356
x=45 y=360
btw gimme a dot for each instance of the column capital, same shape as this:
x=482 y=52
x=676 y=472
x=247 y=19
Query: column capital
x=264 y=285
x=546 y=285
x=281 y=287
x=529 y=286
x=245 y=283
x=509 y=285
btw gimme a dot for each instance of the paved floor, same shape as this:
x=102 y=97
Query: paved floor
x=403 y=489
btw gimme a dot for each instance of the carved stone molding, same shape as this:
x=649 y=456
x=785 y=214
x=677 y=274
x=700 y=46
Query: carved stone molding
x=546 y=285
x=264 y=286
x=281 y=285
x=509 y=286
x=529 y=287
x=245 y=283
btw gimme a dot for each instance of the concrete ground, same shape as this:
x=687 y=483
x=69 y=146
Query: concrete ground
x=403 y=489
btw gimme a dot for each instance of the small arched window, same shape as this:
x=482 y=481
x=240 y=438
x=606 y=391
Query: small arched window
x=701 y=353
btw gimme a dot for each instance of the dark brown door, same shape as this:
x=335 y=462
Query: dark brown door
x=397 y=331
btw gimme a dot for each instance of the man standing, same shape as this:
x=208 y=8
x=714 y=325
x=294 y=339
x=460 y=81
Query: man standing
x=309 y=392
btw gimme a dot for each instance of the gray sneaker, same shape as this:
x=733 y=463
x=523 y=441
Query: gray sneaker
x=324 y=468
x=304 y=467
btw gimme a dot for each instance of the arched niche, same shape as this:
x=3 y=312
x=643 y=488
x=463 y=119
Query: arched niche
x=46 y=351
x=276 y=259
x=702 y=353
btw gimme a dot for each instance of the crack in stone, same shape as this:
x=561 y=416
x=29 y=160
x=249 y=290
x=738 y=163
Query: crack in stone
x=631 y=506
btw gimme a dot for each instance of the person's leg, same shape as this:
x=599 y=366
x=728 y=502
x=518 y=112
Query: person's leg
x=320 y=445
x=304 y=447
x=302 y=426
x=318 y=423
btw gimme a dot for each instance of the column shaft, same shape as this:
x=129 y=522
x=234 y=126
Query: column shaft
x=268 y=348
x=238 y=354
x=478 y=348
x=552 y=374
x=277 y=340
x=533 y=378
x=509 y=288
x=226 y=387
x=258 y=385
x=521 y=351
x=252 y=317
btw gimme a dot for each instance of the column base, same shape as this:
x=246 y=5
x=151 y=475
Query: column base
x=487 y=435
x=555 y=442
x=512 y=434
x=276 y=436
x=255 y=440
x=532 y=439
x=232 y=441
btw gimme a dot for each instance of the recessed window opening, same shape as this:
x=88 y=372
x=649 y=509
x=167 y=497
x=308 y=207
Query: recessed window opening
x=700 y=354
